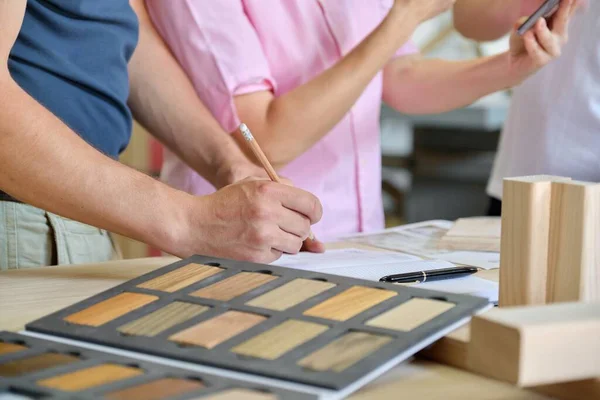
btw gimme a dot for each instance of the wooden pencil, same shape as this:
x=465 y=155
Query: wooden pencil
x=262 y=158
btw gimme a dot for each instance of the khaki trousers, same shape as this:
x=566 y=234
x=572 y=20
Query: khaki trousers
x=31 y=237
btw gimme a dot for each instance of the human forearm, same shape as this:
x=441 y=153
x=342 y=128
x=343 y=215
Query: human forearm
x=415 y=85
x=288 y=125
x=45 y=164
x=486 y=19
x=164 y=101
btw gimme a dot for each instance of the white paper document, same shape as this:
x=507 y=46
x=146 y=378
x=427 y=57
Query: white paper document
x=342 y=258
x=373 y=265
x=479 y=259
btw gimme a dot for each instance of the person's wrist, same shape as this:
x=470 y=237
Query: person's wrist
x=516 y=74
x=172 y=226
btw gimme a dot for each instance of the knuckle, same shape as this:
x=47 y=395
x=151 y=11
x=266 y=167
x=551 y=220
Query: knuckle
x=264 y=188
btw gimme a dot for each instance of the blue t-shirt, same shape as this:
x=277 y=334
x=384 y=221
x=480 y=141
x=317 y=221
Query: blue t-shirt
x=71 y=56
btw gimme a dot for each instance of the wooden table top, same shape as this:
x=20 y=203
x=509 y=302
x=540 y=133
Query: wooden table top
x=29 y=294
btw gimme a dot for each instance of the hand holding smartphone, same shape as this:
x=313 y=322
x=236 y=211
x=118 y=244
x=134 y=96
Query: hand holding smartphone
x=545 y=10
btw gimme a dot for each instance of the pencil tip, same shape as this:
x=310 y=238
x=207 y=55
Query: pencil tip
x=246 y=132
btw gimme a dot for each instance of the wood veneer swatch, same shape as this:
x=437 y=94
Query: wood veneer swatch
x=7 y=348
x=349 y=303
x=279 y=340
x=163 y=319
x=28 y=365
x=234 y=286
x=236 y=394
x=180 y=278
x=344 y=352
x=107 y=310
x=290 y=294
x=215 y=331
x=90 y=377
x=159 y=389
x=410 y=315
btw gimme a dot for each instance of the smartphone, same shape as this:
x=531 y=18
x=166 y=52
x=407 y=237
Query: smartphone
x=544 y=11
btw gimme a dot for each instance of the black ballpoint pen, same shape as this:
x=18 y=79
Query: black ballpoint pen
x=431 y=276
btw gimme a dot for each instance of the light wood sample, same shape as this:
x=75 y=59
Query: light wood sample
x=537 y=345
x=349 y=303
x=181 y=277
x=290 y=294
x=344 y=352
x=524 y=244
x=410 y=315
x=237 y=394
x=110 y=309
x=159 y=389
x=163 y=319
x=32 y=364
x=6 y=348
x=215 y=331
x=90 y=377
x=234 y=286
x=279 y=340
x=574 y=255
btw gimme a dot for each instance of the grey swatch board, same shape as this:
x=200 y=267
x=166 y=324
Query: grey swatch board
x=297 y=326
x=33 y=368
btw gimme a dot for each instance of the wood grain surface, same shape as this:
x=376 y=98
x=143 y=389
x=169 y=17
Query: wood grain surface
x=163 y=319
x=28 y=365
x=344 y=352
x=237 y=394
x=290 y=294
x=279 y=340
x=410 y=315
x=181 y=278
x=90 y=377
x=215 y=331
x=107 y=310
x=349 y=303
x=574 y=251
x=234 y=286
x=165 y=388
x=6 y=348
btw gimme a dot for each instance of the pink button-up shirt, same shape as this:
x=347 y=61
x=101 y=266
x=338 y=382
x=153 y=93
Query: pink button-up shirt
x=234 y=47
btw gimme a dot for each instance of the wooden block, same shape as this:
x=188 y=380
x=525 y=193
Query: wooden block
x=162 y=319
x=90 y=377
x=110 y=309
x=574 y=255
x=344 y=352
x=452 y=349
x=234 y=286
x=290 y=294
x=524 y=240
x=181 y=277
x=7 y=348
x=277 y=341
x=537 y=345
x=473 y=234
x=349 y=303
x=410 y=315
x=212 y=332
x=159 y=389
